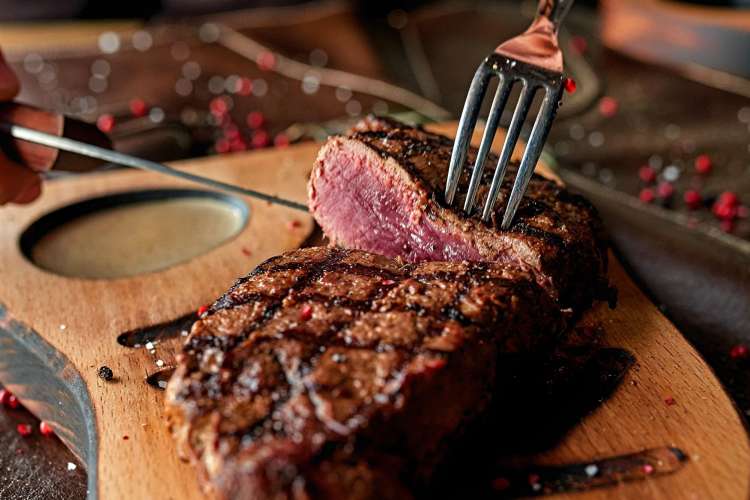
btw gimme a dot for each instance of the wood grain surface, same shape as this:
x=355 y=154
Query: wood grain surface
x=53 y=371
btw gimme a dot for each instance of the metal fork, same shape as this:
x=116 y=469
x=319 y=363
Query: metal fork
x=534 y=60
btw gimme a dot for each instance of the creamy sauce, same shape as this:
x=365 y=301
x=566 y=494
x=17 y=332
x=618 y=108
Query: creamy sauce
x=137 y=238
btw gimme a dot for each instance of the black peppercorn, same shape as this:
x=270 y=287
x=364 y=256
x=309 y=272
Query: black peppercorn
x=105 y=372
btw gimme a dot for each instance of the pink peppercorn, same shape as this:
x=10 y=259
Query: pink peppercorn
x=202 y=310
x=670 y=401
x=13 y=402
x=727 y=226
x=281 y=141
x=648 y=469
x=45 y=429
x=579 y=44
x=266 y=61
x=570 y=85
x=692 y=199
x=238 y=145
x=500 y=484
x=608 y=106
x=222 y=145
x=724 y=211
x=24 y=429
x=665 y=190
x=728 y=198
x=218 y=107
x=105 y=122
x=306 y=312
x=244 y=86
x=255 y=119
x=703 y=164
x=739 y=351
x=647 y=174
x=260 y=139
x=138 y=107
x=646 y=195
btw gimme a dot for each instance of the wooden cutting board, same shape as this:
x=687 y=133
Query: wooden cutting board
x=117 y=428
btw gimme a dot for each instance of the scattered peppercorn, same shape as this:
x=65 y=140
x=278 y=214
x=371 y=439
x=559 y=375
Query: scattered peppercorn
x=266 y=61
x=13 y=402
x=608 y=106
x=105 y=373
x=500 y=484
x=703 y=164
x=244 y=86
x=570 y=85
x=222 y=145
x=647 y=174
x=260 y=139
x=740 y=351
x=648 y=469
x=138 y=107
x=202 y=310
x=578 y=44
x=646 y=195
x=670 y=401
x=693 y=199
x=665 y=190
x=255 y=119
x=24 y=429
x=281 y=140
x=105 y=122
x=306 y=312
x=5 y=394
x=45 y=429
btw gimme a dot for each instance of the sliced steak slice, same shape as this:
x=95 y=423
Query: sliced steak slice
x=380 y=189
x=332 y=373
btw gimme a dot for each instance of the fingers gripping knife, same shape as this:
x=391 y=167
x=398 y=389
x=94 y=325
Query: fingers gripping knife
x=532 y=60
x=58 y=133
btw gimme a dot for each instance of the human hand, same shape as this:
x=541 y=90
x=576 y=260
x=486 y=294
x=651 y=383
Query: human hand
x=18 y=184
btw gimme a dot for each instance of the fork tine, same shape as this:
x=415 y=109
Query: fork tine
x=514 y=130
x=465 y=129
x=533 y=149
x=496 y=111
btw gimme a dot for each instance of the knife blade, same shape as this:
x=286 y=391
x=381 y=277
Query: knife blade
x=108 y=155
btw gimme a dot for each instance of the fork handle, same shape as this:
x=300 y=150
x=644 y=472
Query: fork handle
x=554 y=10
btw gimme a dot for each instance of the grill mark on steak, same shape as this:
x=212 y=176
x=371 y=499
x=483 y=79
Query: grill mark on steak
x=353 y=380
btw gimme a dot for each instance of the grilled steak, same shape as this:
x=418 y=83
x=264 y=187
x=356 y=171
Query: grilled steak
x=380 y=189
x=332 y=373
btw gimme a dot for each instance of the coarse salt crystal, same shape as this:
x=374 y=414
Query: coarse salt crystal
x=63 y=327
x=72 y=466
x=159 y=363
x=591 y=470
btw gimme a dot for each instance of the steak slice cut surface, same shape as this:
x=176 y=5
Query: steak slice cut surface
x=332 y=373
x=381 y=187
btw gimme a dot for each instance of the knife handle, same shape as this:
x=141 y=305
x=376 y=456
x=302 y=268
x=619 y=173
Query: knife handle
x=44 y=158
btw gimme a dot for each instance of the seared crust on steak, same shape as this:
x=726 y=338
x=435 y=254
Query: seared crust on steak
x=381 y=188
x=331 y=373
